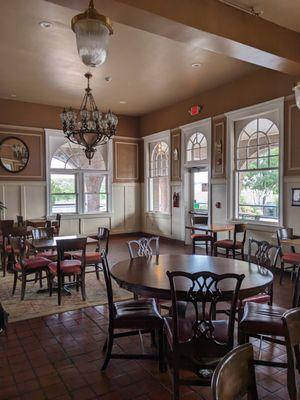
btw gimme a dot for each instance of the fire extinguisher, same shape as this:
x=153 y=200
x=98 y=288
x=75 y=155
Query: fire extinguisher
x=175 y=199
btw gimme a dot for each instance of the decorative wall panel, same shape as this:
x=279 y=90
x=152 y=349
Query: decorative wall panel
x=126 y=161
x=292 y=137
x=219 y=147
x=34 y=139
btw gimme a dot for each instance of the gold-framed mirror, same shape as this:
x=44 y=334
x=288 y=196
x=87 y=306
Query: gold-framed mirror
x=14 y=154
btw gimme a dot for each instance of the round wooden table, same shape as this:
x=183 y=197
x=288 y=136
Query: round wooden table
x=147 y=276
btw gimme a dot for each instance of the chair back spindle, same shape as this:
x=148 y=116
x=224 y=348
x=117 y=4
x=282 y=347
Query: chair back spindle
x=263 y=253
x=143 y=248
x=42 y=233
x=103 y=239
x=108 y=283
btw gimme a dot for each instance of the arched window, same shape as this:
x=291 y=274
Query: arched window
x=159 y=190
x=257 y=171
x=258 y=145
x=160 y=160
x=71 y=156
x=76 y=186
x=196 y=149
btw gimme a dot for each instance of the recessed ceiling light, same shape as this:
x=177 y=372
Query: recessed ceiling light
x=45 y=24
x=196 y=65
x=108 y=78
x=123 y=102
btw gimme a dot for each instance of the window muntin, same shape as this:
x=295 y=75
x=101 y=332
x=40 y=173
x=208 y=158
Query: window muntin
x=257 y=171
x=89 y=192
x=159 y=190
x=196 y=149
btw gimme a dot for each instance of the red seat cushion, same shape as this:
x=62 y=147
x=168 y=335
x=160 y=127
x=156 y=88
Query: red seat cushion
x=33 y=263
x=291 y=258
x=201 y=237
x=228 y=244
x=262 y=298
x=66 y=266
x=262 y=319
x=50 y=254
x=91 y=257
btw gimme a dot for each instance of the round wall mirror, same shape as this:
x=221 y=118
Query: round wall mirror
x=14 y=154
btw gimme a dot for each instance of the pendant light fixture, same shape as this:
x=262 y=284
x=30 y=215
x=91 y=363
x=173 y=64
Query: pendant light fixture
x=92 y=33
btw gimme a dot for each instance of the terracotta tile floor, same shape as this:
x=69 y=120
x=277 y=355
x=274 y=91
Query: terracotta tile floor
x=59 y=357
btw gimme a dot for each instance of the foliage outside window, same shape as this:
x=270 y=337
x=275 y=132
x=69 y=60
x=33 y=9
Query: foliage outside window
x=196 y=148
x=257 y=171
x=76 y=186
x=159 y=191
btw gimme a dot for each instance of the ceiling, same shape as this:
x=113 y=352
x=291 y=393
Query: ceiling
x=282 y=12
x=148 y=71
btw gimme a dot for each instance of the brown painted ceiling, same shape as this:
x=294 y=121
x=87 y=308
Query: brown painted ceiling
x=148 y=71
x=282 y=12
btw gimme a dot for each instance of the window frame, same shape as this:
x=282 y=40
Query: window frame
x=148 y=141
x=54 y=139
x=262 y=110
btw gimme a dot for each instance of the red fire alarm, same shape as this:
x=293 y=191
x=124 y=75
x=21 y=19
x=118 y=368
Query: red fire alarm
x=195 y=110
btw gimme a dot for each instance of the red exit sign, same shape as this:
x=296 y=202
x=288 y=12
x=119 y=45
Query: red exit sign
x=195 y=110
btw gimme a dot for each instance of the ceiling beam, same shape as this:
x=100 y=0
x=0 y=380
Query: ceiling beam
x=209 y=24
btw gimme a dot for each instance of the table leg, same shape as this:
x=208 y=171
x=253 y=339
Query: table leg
x=214 y=252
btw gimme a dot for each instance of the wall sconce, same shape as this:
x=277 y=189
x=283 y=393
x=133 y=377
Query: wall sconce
x=175 y=154
x=296 y=89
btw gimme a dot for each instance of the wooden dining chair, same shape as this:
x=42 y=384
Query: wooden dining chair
x=56 y=224
x=44 y=234
x=132 y=317
x=20 y=221
x=291 y=259
x=6 y=228
x=264 y=255
x=291 y=323
x=93 y=258
x=197 y=342
x=200 y=238
x=24 y=267
x=235 y=246
x=143 y=247
x=234 y=377
x=67 y=268
x=264 y=322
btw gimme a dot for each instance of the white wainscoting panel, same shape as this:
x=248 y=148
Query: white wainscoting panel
x=29 y=199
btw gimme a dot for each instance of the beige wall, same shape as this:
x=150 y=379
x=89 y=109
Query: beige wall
x=255 y=88
x=19 y=113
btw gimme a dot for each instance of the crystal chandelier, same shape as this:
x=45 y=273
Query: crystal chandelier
x=92 y=32
x=88 y=127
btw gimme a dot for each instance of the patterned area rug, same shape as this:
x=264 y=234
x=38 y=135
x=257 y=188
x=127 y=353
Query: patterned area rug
x=37 y=305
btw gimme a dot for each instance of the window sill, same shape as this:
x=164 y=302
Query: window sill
x=258 y=226
x=158 y=214
x=81 y=215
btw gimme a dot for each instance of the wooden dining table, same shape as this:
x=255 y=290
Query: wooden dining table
x=36 y=222
x=147 y=276
x=214 y=229
x=47 y=244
